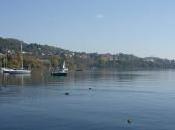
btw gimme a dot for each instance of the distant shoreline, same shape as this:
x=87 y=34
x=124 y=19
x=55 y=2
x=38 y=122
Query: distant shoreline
x=38 y=56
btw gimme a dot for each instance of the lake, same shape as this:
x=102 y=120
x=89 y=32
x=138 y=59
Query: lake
x=96 y=100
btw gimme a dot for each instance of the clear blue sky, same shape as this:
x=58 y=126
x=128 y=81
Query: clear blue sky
x=140 y=27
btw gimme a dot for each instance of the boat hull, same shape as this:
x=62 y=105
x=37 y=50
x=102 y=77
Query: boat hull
x=6 y=70
x=59 y=74
x=20 y=72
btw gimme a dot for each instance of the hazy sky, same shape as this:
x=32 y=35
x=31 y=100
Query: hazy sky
x=140 y=27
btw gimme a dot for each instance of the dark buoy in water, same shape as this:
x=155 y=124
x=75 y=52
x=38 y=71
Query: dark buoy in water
x=129 y=121
x=90 y=88
x=66 y=93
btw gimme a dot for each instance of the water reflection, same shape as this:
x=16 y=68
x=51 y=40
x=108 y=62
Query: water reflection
x=38 y=101
x=43 y=78
x=14 y=80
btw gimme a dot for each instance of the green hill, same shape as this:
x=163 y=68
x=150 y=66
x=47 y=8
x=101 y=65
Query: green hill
x=36 y=55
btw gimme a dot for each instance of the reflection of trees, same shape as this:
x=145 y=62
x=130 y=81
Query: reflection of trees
x=113 y=75
x=102 y=76
x=3 y=78
x=13 y=80
x=43 y=78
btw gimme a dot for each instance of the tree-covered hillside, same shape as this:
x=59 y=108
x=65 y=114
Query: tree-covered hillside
x=36 y=55
x=14 y=45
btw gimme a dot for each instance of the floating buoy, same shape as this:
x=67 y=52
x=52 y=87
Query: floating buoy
x=129 y=121
x=90 y=88
x=66 y=93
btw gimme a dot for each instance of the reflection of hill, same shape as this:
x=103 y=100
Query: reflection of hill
x=113 y=75
x=40 y=78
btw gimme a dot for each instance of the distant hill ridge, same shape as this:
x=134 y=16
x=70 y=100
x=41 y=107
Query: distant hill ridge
x=85 y=60
x=14 y=44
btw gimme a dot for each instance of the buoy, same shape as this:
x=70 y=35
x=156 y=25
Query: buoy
x=90 y=88
x=66 y=93
x=129 y=121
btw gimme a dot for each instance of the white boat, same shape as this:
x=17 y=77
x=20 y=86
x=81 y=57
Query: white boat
x=21 y=70
x=60 y=72
x=6 y=70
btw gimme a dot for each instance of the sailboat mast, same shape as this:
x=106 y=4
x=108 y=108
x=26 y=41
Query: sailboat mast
x=5 y=60
x=21 y=57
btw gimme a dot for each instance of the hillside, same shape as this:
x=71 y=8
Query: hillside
x=36 y=55
x=14 y=45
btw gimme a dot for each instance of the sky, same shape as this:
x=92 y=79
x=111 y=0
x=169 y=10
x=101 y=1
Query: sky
x=140 y=27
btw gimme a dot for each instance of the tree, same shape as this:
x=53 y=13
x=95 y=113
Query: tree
x=54 y=60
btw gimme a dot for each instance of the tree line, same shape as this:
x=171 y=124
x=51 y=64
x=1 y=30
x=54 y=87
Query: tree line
x=38 y=56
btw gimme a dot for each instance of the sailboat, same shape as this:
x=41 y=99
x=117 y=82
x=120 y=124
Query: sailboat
x=60 y=72
x=5 y=69
x=21 y=70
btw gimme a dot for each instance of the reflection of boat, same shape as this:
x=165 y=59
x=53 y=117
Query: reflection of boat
x=60 y=72
x=79 y=69
x=17 y=79
x=21 y=70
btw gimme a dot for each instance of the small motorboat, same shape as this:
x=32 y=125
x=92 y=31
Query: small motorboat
x=60 y=72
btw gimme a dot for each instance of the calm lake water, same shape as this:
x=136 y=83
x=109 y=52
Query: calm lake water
x=38 y=102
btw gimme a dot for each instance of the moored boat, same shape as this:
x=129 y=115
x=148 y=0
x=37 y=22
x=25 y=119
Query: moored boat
x=6 y=70
x=21 y=70
x=60 y=72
